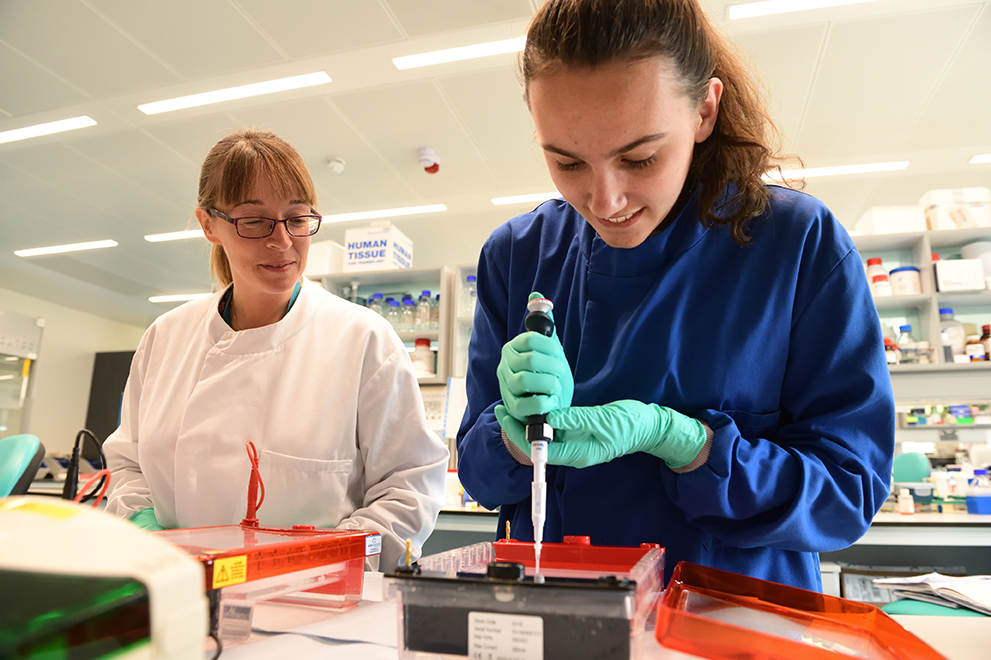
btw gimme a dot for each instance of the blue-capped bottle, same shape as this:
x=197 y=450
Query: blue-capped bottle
x=423 y=311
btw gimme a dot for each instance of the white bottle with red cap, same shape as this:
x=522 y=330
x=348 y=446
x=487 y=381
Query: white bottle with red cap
x=874 y=267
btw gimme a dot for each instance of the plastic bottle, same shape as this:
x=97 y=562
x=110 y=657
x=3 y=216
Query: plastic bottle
x=423 y=358
x=880 y=286
x=923 y=352
x=375 y=304
x=979 y=493
x=907 y=346
x=986 y=340
x=874 y=267
x=975 y=349
x=470 y=293
x=906 y=503
x=394 y=316
x=952 y=333
x=890 y=352
x=423 y=311
x=409 y=315
x=435 y=313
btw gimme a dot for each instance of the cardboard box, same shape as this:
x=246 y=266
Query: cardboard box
x=959 y=275
x=377 y=248
x=957 y=208
x=892 y=220
x=325 y=258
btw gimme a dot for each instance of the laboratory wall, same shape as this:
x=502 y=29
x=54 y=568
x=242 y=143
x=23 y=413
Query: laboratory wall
x=64 y=368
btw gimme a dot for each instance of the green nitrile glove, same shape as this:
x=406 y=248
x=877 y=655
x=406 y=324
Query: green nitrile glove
x=514 y=428
x=146 y=520
x=534 y=374
x=585 y=436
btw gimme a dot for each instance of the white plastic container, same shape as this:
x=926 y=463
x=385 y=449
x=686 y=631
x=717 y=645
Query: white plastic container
x=906 y=505
x=905 y=281
x=874 y=267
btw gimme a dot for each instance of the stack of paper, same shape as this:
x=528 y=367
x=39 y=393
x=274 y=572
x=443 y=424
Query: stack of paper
x=973 y=592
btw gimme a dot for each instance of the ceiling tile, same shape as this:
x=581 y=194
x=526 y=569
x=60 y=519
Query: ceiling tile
x=317 y=129
x=399 y=120
x=957 y=115
x=304 y=28
x=419 y=18
x=872 y=83
x=786 y=60
x=36 y=89
x=219 y=41
x=76 y=44
x=492 y=99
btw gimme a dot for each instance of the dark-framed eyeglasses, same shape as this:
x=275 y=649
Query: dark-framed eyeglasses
x=260 y=227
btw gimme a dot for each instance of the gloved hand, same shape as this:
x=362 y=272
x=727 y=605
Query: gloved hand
x=146 y=520
x=534 y=375
x=591 y=435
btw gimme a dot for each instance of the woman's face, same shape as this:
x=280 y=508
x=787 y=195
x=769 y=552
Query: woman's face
x=261 y=267
x=618 y=141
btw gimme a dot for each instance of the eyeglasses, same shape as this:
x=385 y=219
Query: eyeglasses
x=259 y=227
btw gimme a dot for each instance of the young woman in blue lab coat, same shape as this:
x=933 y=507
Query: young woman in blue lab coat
x=717 y=382
x=322 y=387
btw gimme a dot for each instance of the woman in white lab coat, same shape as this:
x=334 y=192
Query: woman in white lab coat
x=322 y=387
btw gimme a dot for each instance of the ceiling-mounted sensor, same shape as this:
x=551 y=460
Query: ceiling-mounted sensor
x=428 y=160
x=336 y=165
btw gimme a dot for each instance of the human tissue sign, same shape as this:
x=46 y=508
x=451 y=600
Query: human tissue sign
x=377 y=248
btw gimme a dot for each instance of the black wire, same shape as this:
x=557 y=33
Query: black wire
x=319 y=638
x=82 y=435
x=220 y=645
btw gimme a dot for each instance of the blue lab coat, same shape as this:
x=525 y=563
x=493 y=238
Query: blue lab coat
x=776 y=346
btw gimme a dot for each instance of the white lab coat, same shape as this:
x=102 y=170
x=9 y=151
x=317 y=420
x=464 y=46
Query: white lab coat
x=328 y=396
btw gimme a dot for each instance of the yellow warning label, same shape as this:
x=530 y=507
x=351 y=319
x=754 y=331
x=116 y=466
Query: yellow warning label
x=24 y=505
x=229 y=570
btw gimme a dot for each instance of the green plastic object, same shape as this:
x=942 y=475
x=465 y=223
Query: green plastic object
x=917 y=607
x=911 y=467
x=20 y=456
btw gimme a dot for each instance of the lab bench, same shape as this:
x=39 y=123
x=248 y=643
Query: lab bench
x=374 y=627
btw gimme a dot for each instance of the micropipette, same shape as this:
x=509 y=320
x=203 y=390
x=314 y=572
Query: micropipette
x=538 y=434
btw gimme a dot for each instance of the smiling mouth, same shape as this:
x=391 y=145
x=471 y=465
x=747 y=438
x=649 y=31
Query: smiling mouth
x=278 y=265
x=619 y=219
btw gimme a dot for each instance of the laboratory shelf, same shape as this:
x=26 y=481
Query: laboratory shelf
x=942 y=366
x=914 y=301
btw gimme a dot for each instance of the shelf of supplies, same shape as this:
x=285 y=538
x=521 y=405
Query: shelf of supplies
x=954 y=237
x=941 y=427
x=373 y=277
x=946 y=366
x=876 y=242
x=413 y=335
x=915 y=300
x=431 y=380
x=964 y=297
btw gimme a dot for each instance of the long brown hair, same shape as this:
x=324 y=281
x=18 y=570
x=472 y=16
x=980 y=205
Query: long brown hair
x=231 y=168
x=743 y=145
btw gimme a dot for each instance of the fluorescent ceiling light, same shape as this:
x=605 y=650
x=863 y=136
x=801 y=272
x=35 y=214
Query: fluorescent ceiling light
x=174 y=236
x=834 y=171
x=46 y=129
x=6 y=377
x=55 y=249
x=767 y=7
x=980 y=158
x=462 y=53
x=386 y=213
x=519 y=199
x=179 y=297
x=231 y=93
